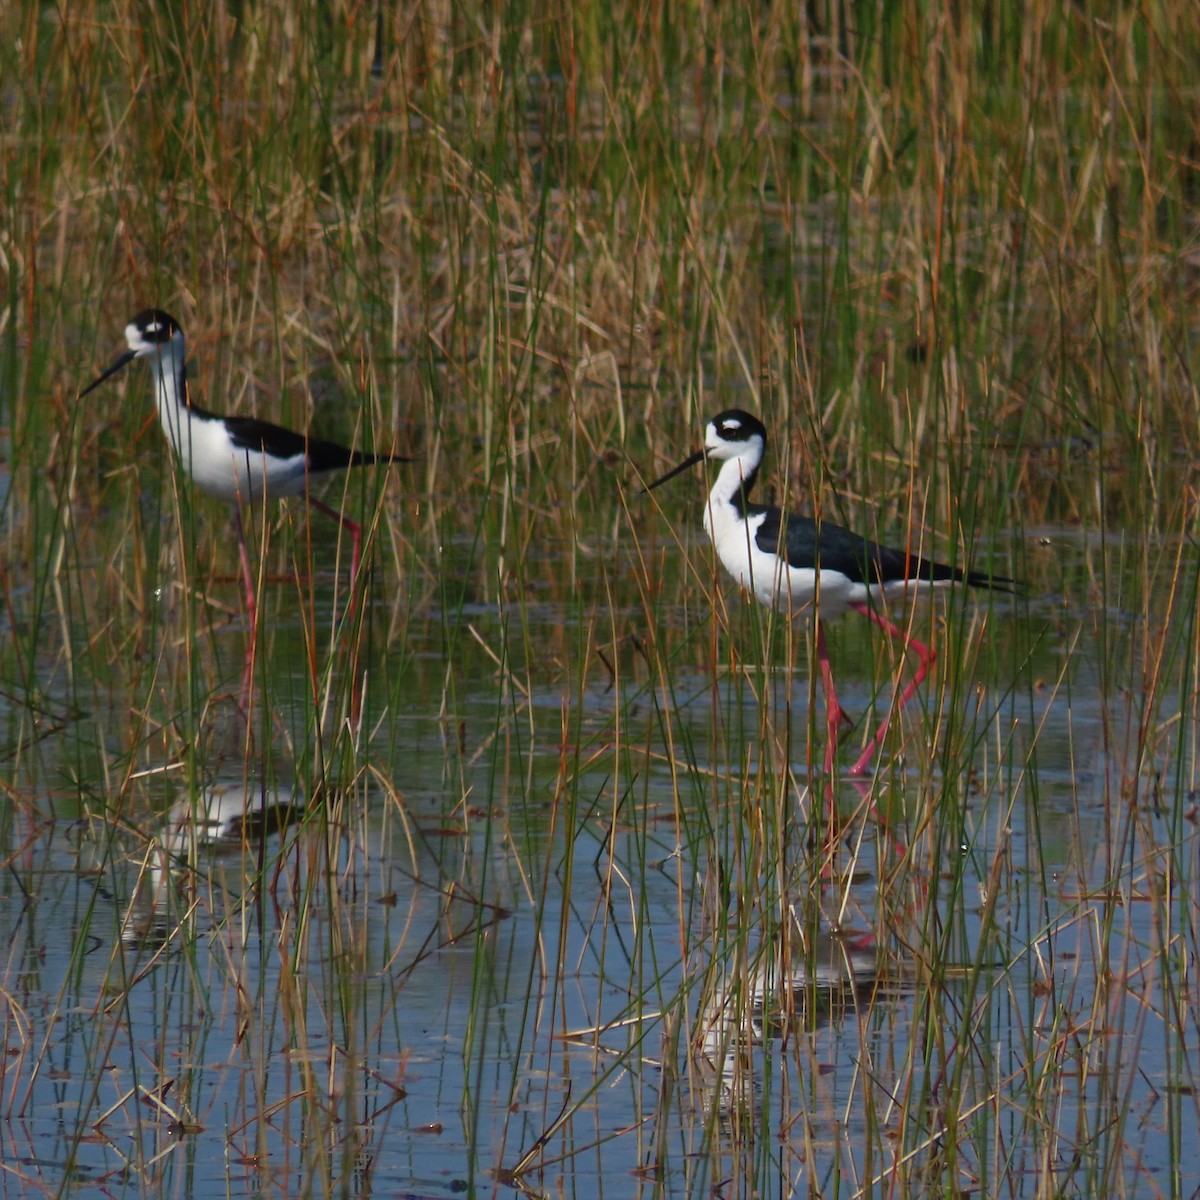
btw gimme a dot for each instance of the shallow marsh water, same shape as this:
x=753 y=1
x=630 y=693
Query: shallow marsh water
x=531 y=939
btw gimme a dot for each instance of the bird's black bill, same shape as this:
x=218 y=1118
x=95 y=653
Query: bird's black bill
x=690 y=461
x=123 y=361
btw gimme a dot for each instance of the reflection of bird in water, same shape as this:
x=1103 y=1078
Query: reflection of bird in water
x=221 y=821
x=820 y=979
x=822 y=975
x=228 y=816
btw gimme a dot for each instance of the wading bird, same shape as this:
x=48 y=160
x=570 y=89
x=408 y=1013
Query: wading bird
x=800 y=566
x=241 y=460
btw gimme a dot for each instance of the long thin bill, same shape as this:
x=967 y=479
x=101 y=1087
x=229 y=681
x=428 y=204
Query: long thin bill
x=690 y=461
x=123 y=361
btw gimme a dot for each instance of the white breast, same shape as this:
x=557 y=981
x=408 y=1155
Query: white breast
x=220 y=468
x=767 y=576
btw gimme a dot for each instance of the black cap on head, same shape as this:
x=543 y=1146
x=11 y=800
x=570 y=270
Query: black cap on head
x=155 y=325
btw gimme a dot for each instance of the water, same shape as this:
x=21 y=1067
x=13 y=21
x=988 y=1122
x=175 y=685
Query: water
x=530 y=934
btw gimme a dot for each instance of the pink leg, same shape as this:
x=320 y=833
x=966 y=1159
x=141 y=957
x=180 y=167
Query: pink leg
x=927 y=657
x=251 y=609
x=833 y=710
x=865 y=794
x=833 y=719
x=247 y=574
x=355 y=530
x=352 y=527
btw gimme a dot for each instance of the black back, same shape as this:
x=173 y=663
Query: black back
x=249 y=433
x=805 y=543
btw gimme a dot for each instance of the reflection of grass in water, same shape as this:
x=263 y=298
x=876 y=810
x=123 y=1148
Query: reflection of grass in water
x=538 y=253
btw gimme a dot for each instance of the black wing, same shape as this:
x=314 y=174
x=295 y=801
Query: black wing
x=249 y=433
x=809 y=544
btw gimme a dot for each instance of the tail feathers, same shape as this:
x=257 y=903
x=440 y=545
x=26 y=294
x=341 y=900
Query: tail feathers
x=365 y=458
x=937 y=572
x=330 y=456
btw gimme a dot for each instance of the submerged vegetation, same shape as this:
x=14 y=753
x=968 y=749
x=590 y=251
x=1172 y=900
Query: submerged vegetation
x=531 y=881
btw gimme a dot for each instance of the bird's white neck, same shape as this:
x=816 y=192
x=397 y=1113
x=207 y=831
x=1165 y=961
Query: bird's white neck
x=726 y=507
x=170 y=393
x=734 y=481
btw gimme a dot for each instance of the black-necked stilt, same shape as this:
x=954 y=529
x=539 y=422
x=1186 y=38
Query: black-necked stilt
x=804 y=567
x=241 y=460
x=223 y=819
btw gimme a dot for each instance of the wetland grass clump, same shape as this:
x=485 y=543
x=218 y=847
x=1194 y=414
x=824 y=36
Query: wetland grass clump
x=561 y=902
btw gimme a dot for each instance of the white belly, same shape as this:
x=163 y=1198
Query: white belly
x=796 y=591
x=219 y=468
